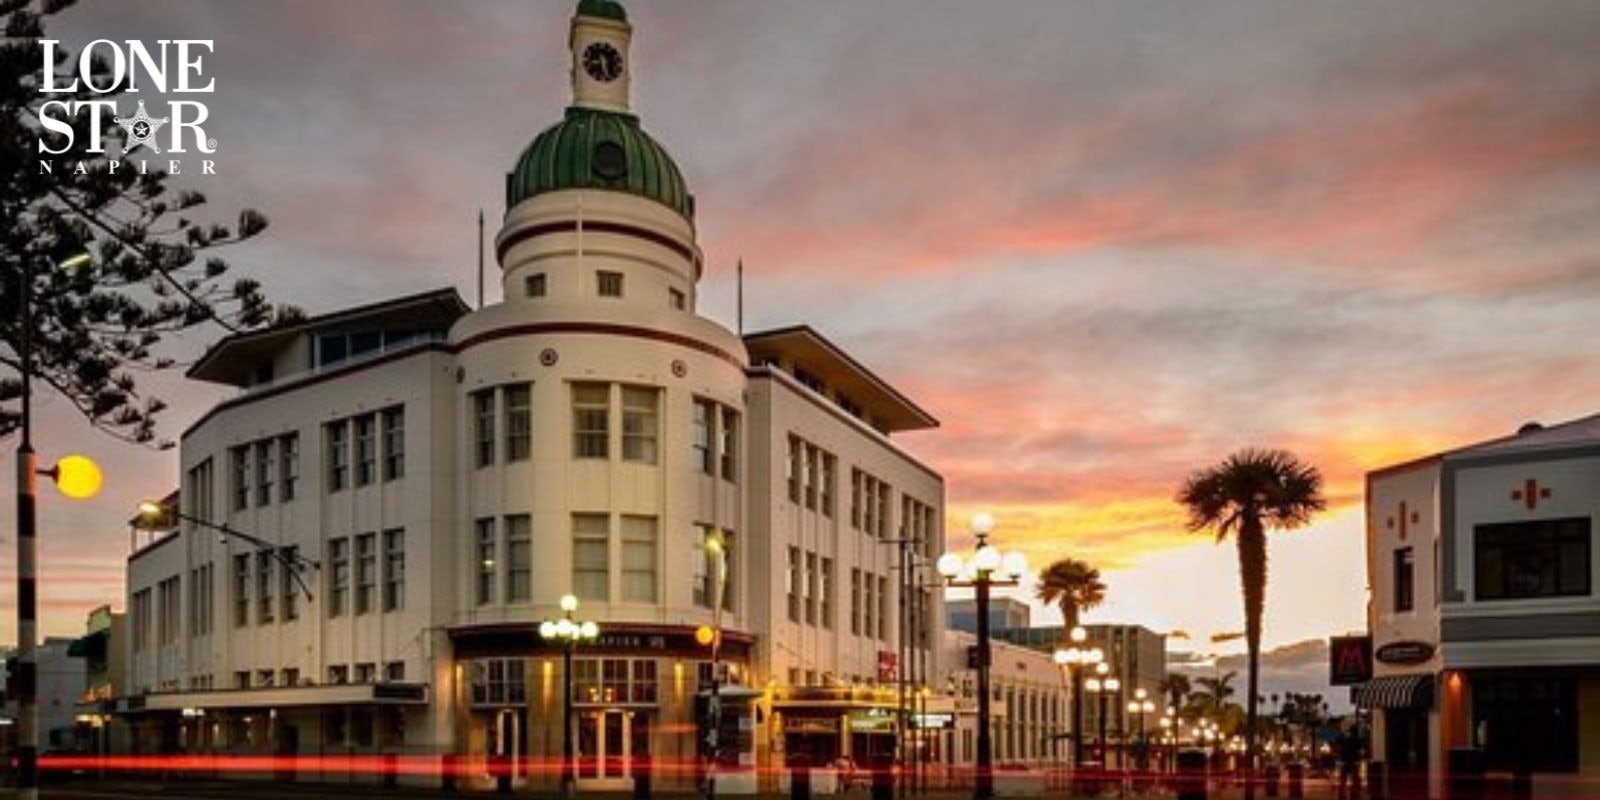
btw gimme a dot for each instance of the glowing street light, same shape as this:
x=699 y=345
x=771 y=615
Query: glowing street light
x=569 y=632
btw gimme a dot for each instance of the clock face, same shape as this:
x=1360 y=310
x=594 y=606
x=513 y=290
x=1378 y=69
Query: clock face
x=602 y=62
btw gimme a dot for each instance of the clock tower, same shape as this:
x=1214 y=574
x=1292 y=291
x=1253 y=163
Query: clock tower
x=600 y=65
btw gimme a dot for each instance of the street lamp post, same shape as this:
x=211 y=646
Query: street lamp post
x=67 y=474
x=716 y=547
x=569 y=632
x=985 y=569
x=1103 y=686
x=1074 y=659
x=1141 y=705
x=152 y=512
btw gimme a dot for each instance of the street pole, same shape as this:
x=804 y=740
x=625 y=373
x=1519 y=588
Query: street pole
x=568 y=779
x=27 y=682
x=984 y=789
x=1077 y=717
x=1105 y=752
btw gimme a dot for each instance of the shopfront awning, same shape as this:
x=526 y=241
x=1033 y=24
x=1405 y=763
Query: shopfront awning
x=1397 y=692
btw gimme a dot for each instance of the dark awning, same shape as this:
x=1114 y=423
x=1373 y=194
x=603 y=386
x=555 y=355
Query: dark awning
x=1397 y=691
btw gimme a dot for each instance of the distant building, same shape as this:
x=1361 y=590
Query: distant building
x=1137 y=657
x=1029 y=704
x=1484 y=615
x=104 y=653
x=59 y=688
x=1005 y=613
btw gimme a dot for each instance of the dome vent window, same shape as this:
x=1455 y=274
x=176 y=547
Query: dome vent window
x=610 y=161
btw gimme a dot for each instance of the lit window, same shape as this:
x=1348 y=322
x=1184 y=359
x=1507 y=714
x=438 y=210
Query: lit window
x=485 y=561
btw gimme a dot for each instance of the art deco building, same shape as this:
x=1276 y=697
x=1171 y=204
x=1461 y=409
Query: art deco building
x=452 y=473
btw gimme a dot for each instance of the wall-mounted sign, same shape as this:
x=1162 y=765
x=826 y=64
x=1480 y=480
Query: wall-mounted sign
x=888 y=663
x=1349 y=660
x=934 y=720
x=1405 y=652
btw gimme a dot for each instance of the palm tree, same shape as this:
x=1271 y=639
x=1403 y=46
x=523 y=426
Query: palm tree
x=1249 y=493
x=1175 y=688
x=1074 y=586
x=1212 y=696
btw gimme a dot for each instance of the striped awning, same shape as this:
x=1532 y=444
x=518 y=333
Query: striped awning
x=1397 y=691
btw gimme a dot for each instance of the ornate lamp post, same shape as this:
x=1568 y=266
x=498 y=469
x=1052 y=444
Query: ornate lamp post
x=983 y=570
x=1141 y=705
x=569 y=632
x=1073 y=659
x=1103 y=686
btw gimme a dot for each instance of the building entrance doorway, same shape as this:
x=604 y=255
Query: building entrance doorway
x=613 y=746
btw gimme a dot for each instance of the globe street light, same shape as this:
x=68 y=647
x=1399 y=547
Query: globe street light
x=1103 y=686
x=1141 y=705
x=1074 y=659
x=569 y=632
x=984 y=569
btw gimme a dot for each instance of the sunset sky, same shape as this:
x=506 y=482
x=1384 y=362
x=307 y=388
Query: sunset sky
x=1105 y=243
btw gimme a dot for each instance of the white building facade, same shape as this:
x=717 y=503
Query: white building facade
x=448 y=474
x=1484 y=614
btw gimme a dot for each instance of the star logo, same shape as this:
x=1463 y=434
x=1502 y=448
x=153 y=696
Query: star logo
x=141 y=129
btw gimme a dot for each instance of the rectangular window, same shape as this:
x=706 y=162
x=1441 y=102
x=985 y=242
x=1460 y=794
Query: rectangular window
x=265 y=601
x=639 y=559
x=591 y=420
x=485 y=562
x=704 y=412
x=639 y=425
x=483 y=426
x=167 y=593
x=676 y=299
x=265 y=465
x=338 y=675
x=793 y=467
x=813 y=456
x=884 y=497
x=829 y=465
x=241 y=590
x=394 y=569
x=704 y=567
x=394 y=443
x=394 y=672
x=338 y=576
x=338 y=455
x=241 y=477
x=1404 y=580
x=289 y=466
x=791 y=584
x=366 y=672
x=366 y=449
x=811 y=588
x=519 y=422
x=855 y=601
x=141 y=619
x=610 y=283
x=288 y=587
x=855 y=499
x=366 y=571
x=291 y=676
x=827 y=593
x=591 y=556
x=1537 y=558
x=728 y=433
x=519 y=558
x=535 y=285
x=730 y=575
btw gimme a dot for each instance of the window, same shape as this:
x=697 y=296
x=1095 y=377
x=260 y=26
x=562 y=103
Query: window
x=519 y=558
x=288 y=466
x=883 y=607
x=639 y=559
x=793 y=468
x=394 y=569
x=485 y=562
x=241 y=590
x=366 y=449
x=813 y=456
x=827 y=593
x=1404 y=580
x=266 y=678
x=264 y=470
x=167 y=624
x=791 y=584
x=639 y=425
x=291 y=676
x=704 y=410
x=730 y=572
x=828 y=468
x=394 y=443
x=1537 y=558
x=591 y=416
x=855 y=601
x=366 y=571
x=535 y=285
x=591 y=557
x=338 y=576
x=855 y=498
x=519 y=425
x=288 y=587
x=729 y=433
x=241 y=477
x=141 y=619
x=394 y=671
x=366 y=672
x=338 y=675
x=265 y=604
x=676 y=299
x=811 y=588
x=483 y=426
x=704 y=567
x=200 y=596
x=610 y=283
x=501 y=681
x=338 y=455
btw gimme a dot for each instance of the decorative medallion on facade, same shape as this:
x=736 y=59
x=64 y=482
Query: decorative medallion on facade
x=1530 y=494
x=679 y=369
x=549 y=357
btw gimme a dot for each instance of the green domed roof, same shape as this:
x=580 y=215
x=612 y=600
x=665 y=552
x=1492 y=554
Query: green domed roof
x=607 y=9
x=593 y=149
